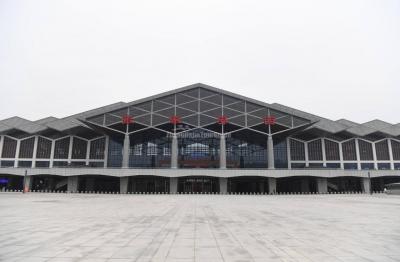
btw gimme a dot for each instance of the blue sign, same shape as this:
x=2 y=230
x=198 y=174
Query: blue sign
x=3 y=180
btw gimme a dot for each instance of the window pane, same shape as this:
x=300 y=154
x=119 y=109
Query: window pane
x=297 y=150
x=365 y=150
x=97 y=148
x=79 y=148
x=61 y=148
x=26 y=148
x=382 y=150
x=349 y=150
x=332 y=150
x=396 y=150
x=43 y=148
x=9 y=148
x=315 y=150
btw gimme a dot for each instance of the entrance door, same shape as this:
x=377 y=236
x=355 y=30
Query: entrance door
x=198 y=185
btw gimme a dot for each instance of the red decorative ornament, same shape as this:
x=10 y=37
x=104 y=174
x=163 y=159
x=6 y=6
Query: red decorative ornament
x=175 y=120
x=222 y=120
x=270 y=120
x=127 y=119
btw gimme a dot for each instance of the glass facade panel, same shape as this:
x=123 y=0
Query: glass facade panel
x=150 y=152
x=6 y=163
x=115 y=152
x=79 y=148
x=97 y=148
x=24 y=163
x=382 y=150
x=384 y=166
x=96 y=164
x=315 y=165
x=280 y=155
x=26 y=148
x=43 y=148
x=298 y=165
x=60 y=163
x=365 y=150
x=396 y=149
x=352 y=166
x=42 y=163
x=78 y=164
x=200 y=149
x=61 y=148
x=315 y=150
x=9 y=148
x=242 y=154
x=297 y=150
x=397 y=166
x=333 y=165
x=367 y=166
x=332 y=150
x=349 y=150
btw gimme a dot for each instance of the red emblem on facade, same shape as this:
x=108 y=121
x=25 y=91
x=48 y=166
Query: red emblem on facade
x=175 y=120
x=269 y=120
x=222 y=120
x=127 y=119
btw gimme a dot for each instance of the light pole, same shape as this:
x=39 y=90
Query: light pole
x=370 y=183
x=24 y=182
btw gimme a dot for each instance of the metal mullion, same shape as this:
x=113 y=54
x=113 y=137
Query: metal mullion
x=234 y=103
x=164 y=109
x=290 y=129
x=202 y=128
x=188 y=95
x=106 y=127
x=195 y=99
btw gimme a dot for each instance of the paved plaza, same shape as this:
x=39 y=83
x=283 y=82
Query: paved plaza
x=119 y=228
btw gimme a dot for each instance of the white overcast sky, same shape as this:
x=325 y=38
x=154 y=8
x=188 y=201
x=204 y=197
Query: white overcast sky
x=336 y=59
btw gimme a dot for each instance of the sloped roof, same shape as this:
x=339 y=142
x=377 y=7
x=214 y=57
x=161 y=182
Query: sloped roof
x=346 y=122
x=20 y=124
x=77 y=120
x=329 y=126
x=46 y=120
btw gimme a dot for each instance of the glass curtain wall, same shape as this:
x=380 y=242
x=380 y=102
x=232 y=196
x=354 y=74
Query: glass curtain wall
x=198 y=149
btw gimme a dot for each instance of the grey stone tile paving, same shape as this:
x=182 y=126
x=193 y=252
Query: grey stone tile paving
x=117 y=228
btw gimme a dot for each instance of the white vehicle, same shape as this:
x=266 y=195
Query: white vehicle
x=393 y=189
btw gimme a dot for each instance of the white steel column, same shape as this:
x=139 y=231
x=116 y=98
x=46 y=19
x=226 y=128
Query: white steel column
x=222 y=152
x=107 y=140
x=358 y=155
x=270 y=148
x=123 y=184
x=16 y=157
x=306 y=154
x=1 y=145
x=125 y=152
x=365 y=185
x=289 y=158
x=174 y=151
x=323 y=152
x=322 y=185
x=223 y=185
x=72 y=184
x=71 y=144
x=87 y=153
x=27 y=183
x=389 y=141
x=271 y=185
x=53 y=145
x=374 y=155
x=173 y=185
x=341 y=155
x=35 y=145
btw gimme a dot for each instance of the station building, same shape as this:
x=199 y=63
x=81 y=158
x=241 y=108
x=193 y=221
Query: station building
x=198 y=139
